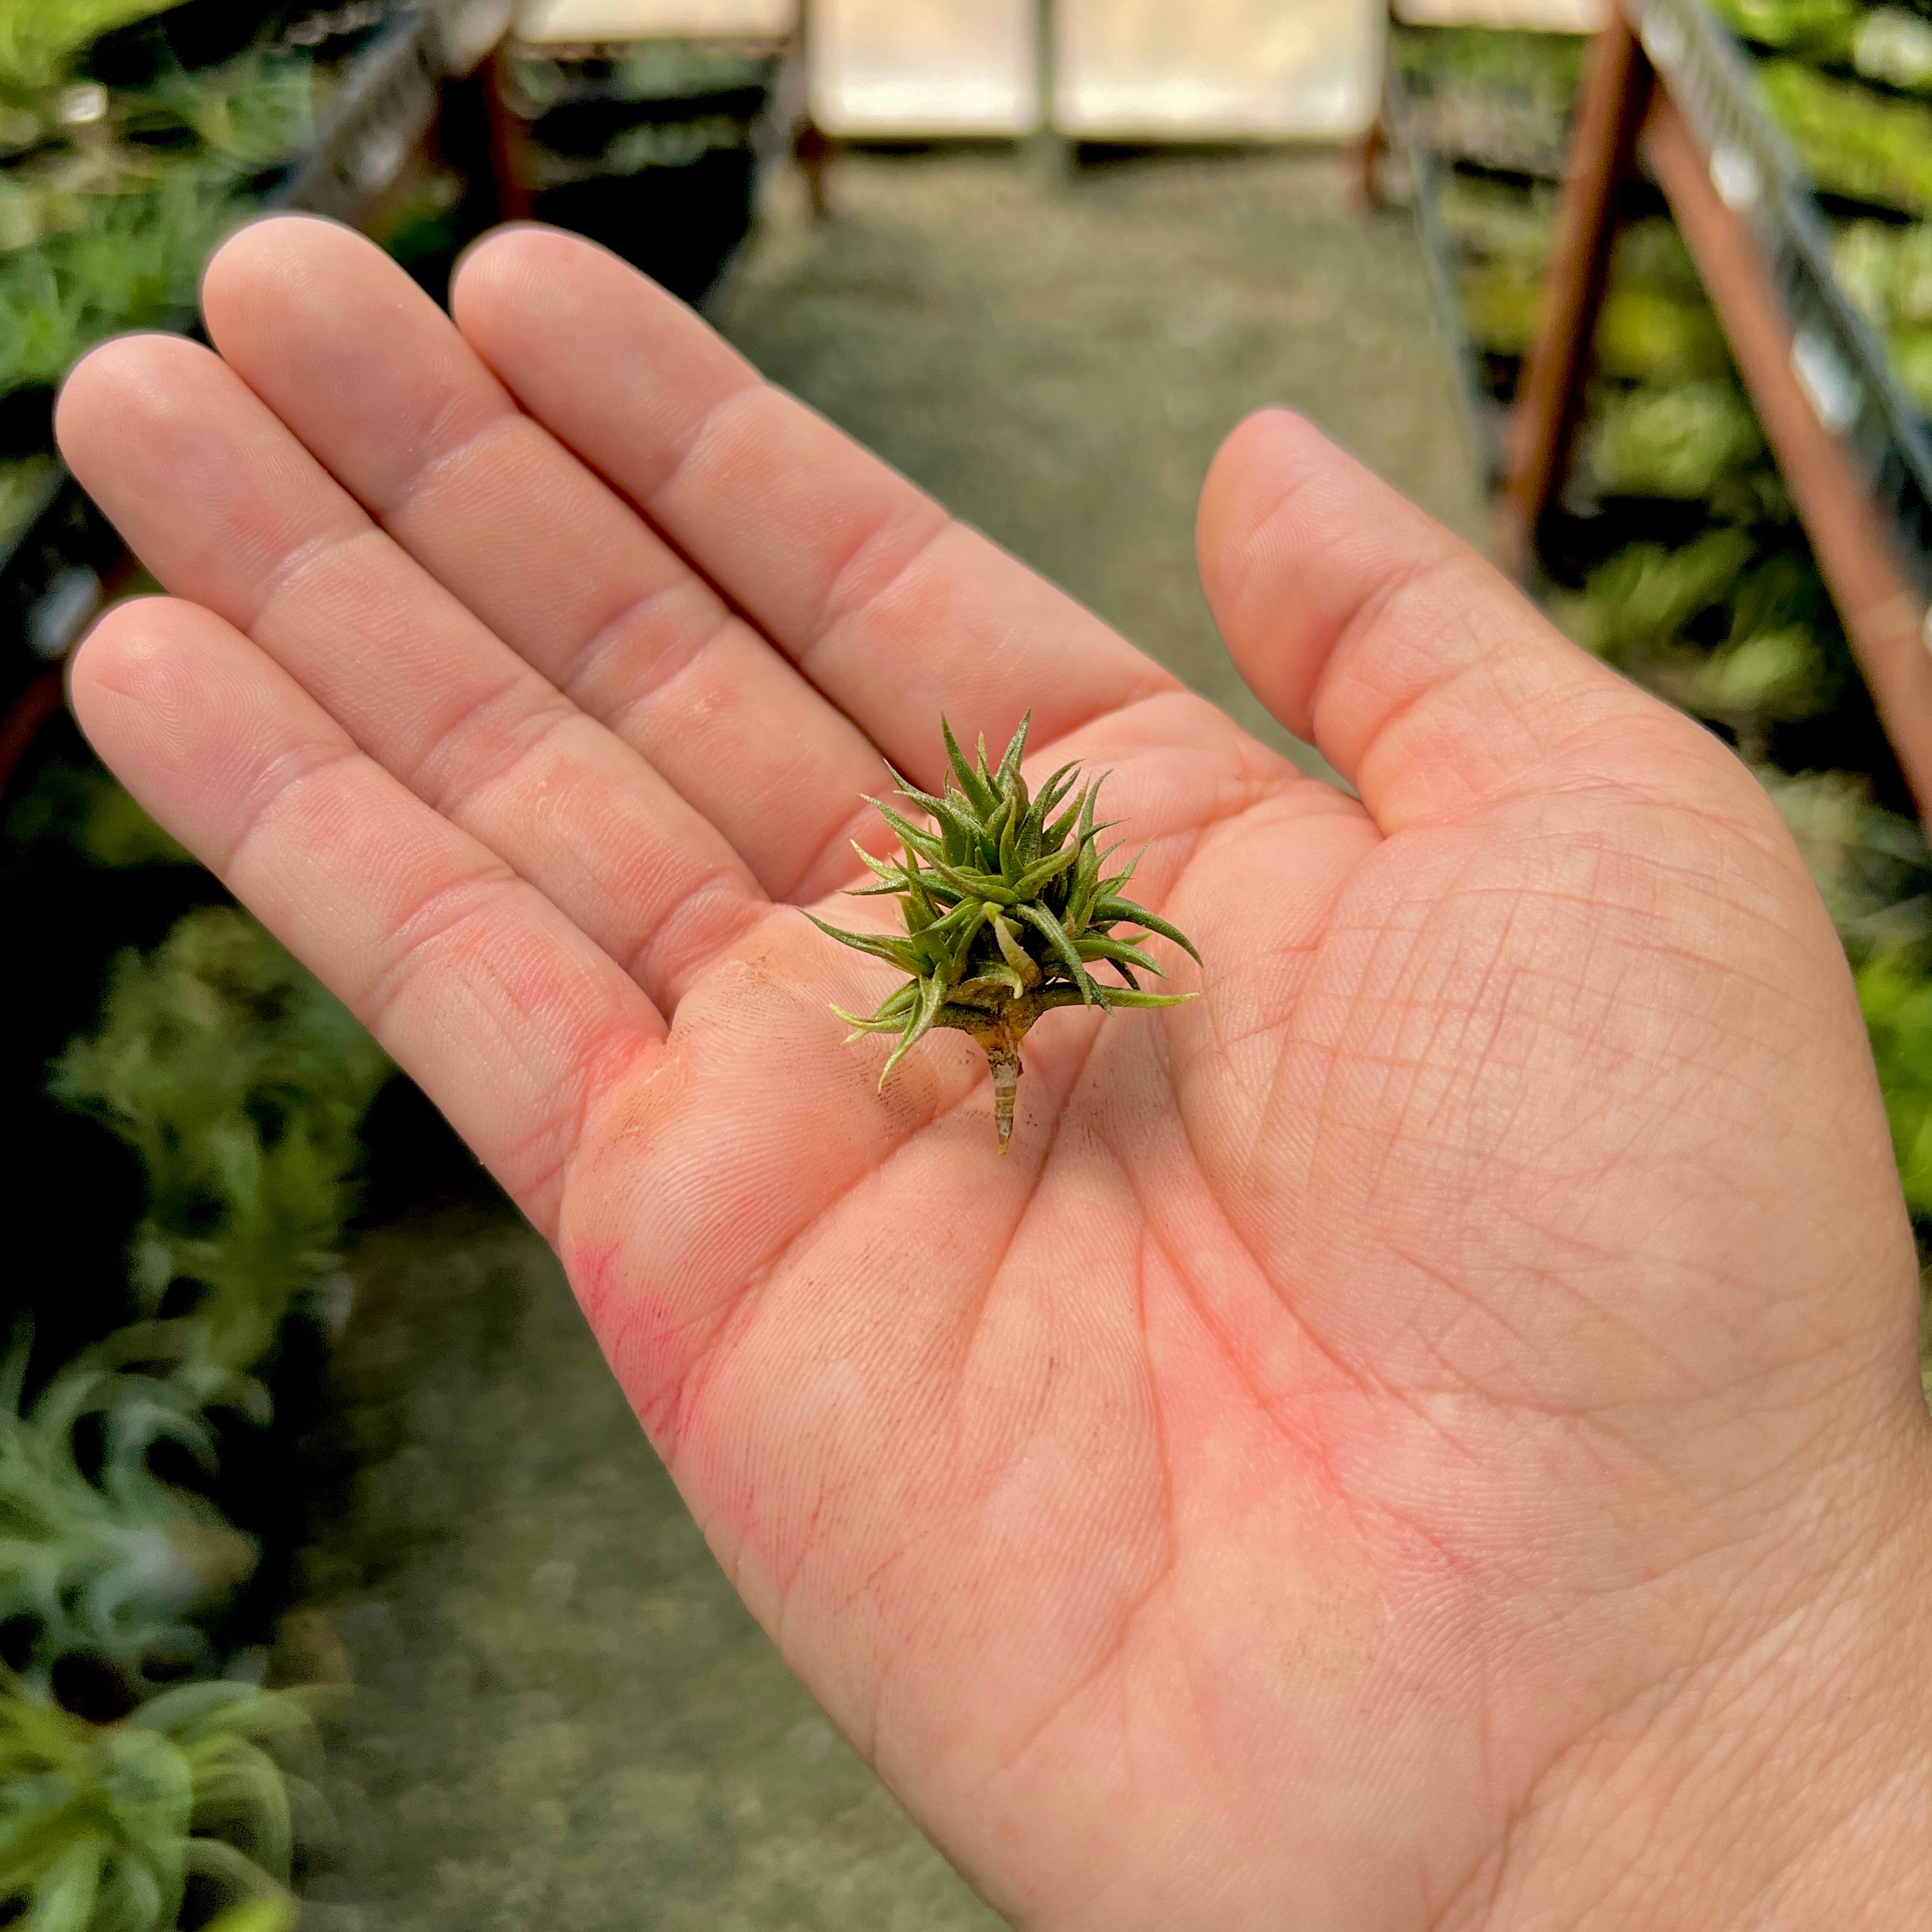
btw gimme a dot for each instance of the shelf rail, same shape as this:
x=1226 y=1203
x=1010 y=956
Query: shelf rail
x=1667 y=89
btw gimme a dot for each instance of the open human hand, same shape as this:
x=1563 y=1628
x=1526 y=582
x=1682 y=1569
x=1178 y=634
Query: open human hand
x=1426 y=1434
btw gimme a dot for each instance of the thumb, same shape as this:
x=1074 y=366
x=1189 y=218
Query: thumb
x=1424 y=677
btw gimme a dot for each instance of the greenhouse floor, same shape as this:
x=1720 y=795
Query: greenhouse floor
x=563 y=1718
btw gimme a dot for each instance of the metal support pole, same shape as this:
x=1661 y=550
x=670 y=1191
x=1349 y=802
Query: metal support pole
x=1884 y=619
x=1616 y=89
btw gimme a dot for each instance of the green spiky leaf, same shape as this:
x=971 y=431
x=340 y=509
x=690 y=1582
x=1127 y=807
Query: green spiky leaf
x=1006 y=906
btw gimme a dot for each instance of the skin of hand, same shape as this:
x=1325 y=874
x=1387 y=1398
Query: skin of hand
x=1426 y=1434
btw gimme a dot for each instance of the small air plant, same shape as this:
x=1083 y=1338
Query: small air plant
x=109 y=1826
x=241 y=1085
x=1006 y=906
x=117 y=1566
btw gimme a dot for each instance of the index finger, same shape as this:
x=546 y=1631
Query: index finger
x=894 y=610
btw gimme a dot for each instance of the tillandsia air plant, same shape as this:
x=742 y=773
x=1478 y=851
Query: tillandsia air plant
x=105 y=1828
x=241 y=1085
x=1006 y=904
x=108 y=1563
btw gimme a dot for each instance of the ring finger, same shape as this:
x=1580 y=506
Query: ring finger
x=230 y=511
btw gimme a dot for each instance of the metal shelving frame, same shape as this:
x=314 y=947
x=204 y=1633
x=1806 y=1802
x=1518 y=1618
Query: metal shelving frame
x=1669 y=90
x=386 y=103
x=1429 y=166
x=1484 y=419
x=384 y=106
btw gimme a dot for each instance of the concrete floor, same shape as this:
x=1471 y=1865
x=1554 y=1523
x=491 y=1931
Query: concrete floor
x=564 y=1719
x=1056 y=353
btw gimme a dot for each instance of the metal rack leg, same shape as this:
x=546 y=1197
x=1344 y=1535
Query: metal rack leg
x=1883 y=619
x=509 y=143
x=1616 y=90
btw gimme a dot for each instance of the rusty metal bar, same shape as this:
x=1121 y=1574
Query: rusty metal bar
x=1883 y=618
x=508 y=140
x=1616 y=89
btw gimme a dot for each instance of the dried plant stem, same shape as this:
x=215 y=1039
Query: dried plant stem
x=1001 y=1039
x=1006 y=1071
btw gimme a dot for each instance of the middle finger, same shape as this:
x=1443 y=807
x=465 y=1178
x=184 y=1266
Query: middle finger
x=230 y=512
x=375 y=380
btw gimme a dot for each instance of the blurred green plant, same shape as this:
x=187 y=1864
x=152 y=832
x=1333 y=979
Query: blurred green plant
x=1871 y=866
x=114 y=1567
x=665 y=71
x=1546 y=68
x=102 y=1826
x=1887 y=272
x=40 y=39
x=1637 y=604
x=252 y=112
x=1719 y=629
x=116 y=238
x=1680 y=440
x=1496 y=222
x=1856 y=142
x=241 y=1085
x=1783 y=659
x=1756 y=679
x=1655 y=324
x=1820 y=29
x=1501 y=98
x=82 y=809
x=132 y=261
x=1891 y=45
x=1642 y=334
x=23 y=479
x=1896 y=996
x=1650 y=253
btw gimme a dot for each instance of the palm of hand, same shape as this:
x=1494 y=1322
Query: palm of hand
x=1298 y=1467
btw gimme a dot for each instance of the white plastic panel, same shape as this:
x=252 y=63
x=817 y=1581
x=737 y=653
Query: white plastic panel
x=468 y=29
x=887 y=69
x=1554 y=16
x=1207 y=70
x=553 y=23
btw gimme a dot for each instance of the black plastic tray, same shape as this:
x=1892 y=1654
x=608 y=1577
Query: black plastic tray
x=387 y=99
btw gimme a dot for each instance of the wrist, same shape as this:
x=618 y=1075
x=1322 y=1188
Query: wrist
x=1782 y=1779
